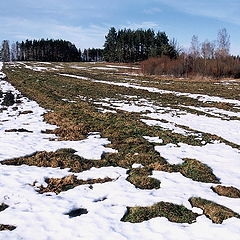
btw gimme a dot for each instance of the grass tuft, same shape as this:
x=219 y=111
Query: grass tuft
x=173 y=212
x=230 y=192
x=139 y=177
x=217 y=213
x=58 y=185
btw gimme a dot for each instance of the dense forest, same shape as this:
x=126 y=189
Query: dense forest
x=48 y=50
x=45 y=50
x=126 y=45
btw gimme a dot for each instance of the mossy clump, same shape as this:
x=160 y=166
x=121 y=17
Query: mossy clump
x=63 y=158
x=197 y=171
x=58 y=185
x=230 y=192
x=190 y=168
x=217 y=213
x=173 y=212
x=139 y=177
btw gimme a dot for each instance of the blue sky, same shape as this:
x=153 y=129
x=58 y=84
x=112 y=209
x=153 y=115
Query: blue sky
x=86 y=22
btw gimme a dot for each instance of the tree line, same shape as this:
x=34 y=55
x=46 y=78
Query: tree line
x=47 y=50
x=206 y=59
x=126 y=45
x=42 y=50
x=157 y=53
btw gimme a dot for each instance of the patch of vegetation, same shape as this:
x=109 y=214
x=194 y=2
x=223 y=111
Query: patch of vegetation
x=230 y=192
x=197 y=171
x=58 y=185
x=3 y=227
x=173 y=212
x=139 y=177
x=125 y=130
x=191 y=168
x=63 y=158
x=217 y=213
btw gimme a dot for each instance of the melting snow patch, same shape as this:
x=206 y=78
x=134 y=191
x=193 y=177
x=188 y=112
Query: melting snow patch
x=223 y=159
x=153 y=139
x=28 y=115
x=229 y=130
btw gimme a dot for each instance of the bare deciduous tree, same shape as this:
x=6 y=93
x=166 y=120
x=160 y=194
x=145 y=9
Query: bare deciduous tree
x=195 y=47
x=223 y=43
x=208 y=49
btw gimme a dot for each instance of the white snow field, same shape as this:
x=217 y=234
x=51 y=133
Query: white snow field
x=43 y=216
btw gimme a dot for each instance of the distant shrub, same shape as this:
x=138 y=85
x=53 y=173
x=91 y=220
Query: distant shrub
x=186 y=66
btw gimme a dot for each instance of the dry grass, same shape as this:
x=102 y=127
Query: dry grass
x=63 y=158
x=230 y=192
x=58 y=185
x=139 y=177
x=217 y=213
x=125 y=130
x=191 y=168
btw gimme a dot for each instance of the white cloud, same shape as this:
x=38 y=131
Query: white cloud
x=152 y=11
x=143 y=25
x=83 y=37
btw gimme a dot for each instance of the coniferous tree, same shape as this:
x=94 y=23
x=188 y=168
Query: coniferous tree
x=5 y=51
x=110 y=45
x=47 y=50
x=128 y=45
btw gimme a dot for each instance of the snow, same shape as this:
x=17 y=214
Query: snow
x=227 y=129
x=17 y=144
x=199 y=97
x=218 y=156
x=153 y=139
x=216 y=112
x=43 y=216
x=78 y=77
x=104 y=68
x=124 y=67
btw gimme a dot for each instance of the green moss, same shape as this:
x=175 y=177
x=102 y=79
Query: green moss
x=173 y=212
x=197 y=171
x=191 y=168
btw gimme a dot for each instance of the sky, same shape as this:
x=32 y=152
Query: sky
x=85 y=23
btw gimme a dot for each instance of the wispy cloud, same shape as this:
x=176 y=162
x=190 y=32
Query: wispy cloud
x=227 y=11
x=152 y=11
x=143 y=25
x=83 y=37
